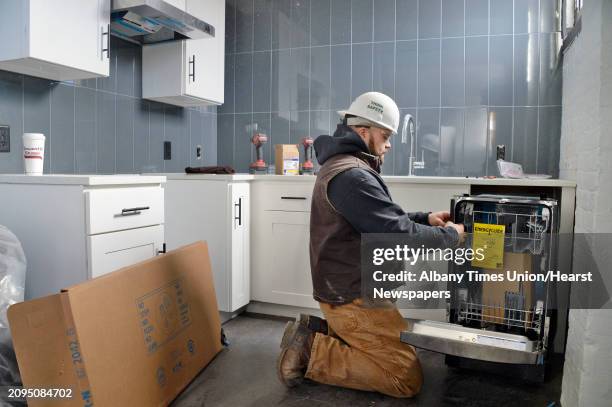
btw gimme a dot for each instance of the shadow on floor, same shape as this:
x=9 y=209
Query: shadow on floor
x=244 y=375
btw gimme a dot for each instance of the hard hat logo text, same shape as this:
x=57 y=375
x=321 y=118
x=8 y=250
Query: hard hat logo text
x=377 y=107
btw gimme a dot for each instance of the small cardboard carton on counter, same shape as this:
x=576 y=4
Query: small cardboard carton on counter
x=134 y=337
x=287 y=159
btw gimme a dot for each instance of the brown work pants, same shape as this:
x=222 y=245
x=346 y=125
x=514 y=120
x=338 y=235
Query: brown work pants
x=363 y=351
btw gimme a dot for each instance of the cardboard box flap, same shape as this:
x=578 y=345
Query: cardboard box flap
x=145 y=331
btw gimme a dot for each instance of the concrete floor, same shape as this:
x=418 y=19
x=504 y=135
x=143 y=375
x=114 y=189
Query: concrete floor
x=244 y=375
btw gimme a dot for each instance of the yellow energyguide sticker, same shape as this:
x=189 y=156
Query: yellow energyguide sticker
x=490 y=240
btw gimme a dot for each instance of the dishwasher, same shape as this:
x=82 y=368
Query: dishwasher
x=499 y=327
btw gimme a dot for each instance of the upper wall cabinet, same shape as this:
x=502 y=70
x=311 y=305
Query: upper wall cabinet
x=59 y=40
x=189 y=72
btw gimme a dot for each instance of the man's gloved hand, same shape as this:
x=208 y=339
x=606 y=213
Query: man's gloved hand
x=438 y=218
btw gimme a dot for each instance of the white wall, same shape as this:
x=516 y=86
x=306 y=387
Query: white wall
x=586 y=156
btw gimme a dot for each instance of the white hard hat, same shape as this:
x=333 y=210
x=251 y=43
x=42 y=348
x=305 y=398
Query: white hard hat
x=375 y=107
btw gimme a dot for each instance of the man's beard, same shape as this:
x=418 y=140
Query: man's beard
x=372 y=149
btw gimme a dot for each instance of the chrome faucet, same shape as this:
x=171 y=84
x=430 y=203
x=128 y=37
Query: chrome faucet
x=408 y=125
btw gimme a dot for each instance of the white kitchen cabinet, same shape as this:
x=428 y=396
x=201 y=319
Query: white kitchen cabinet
x=218 y=212
x=280 y=242
x=286 y=260
x=188 y=72
x=70 y=232
x=65 y=40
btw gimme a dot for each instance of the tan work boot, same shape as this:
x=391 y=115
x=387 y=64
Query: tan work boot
x=295 y=354
x=313 y=323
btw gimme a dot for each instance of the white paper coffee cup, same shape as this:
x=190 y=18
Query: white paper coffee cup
x=33 y=153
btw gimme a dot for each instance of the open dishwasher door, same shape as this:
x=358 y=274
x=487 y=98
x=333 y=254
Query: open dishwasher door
x=456 y=340
x=502 y=322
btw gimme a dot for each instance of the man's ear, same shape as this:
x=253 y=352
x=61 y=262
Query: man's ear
x=363 y=133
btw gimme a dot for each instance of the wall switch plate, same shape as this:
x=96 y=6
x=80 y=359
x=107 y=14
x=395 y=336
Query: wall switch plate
x=5 y=139
x=167 y=150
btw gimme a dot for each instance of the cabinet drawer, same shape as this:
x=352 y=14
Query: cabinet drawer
x=111 y=251
x=109 y=210
x=285 y=196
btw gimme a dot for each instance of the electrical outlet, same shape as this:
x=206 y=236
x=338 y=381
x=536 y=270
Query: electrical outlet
x=199 y=152
x=167 y=150
x=5 y=139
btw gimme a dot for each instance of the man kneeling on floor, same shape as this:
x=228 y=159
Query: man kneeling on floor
x=357 y=345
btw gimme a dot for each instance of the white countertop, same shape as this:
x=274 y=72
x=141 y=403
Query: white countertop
x=391 y=179
x=130 y=179
x=87 y=180
x=480 y=181
x=208 y=177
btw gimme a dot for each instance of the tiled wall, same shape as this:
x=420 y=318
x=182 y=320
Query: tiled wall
x=457 y=65
x=102 y=125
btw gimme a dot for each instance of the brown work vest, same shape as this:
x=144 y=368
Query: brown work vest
x=335 y=260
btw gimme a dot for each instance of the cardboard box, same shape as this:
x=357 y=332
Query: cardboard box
x=287 y=159
x=134 y=337
x=494 y=292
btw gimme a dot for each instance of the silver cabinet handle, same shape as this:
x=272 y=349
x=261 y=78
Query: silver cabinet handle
x=192 y=68
x=107 y=35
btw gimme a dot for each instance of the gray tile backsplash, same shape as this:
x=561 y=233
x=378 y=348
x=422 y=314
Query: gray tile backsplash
x=243 y=91
x=11 y=113
x=361 y=67
x=452 y=79
x=429 y=73
x=261 y=81
x=477 y=17
x=526 y=16
x=501 y=78
x=320 y=76
x=62 y=146
x=384 y=72
x=452 y=122
x=525 y=145
x=262 y=29
x=453 y=18
x=85 y=126
x=300 y=22
x=501 y=17
x=406 y=73
x=340 y=70
x=103 y=126
x=473 y=73
x=361 y=20
x=384 y=20
x=476 y=71
x=320 y=27
x=430 y=15
x=526 y=69
x=105 y=132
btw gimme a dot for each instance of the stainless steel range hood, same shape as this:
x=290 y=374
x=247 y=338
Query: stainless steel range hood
x=151 y=21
